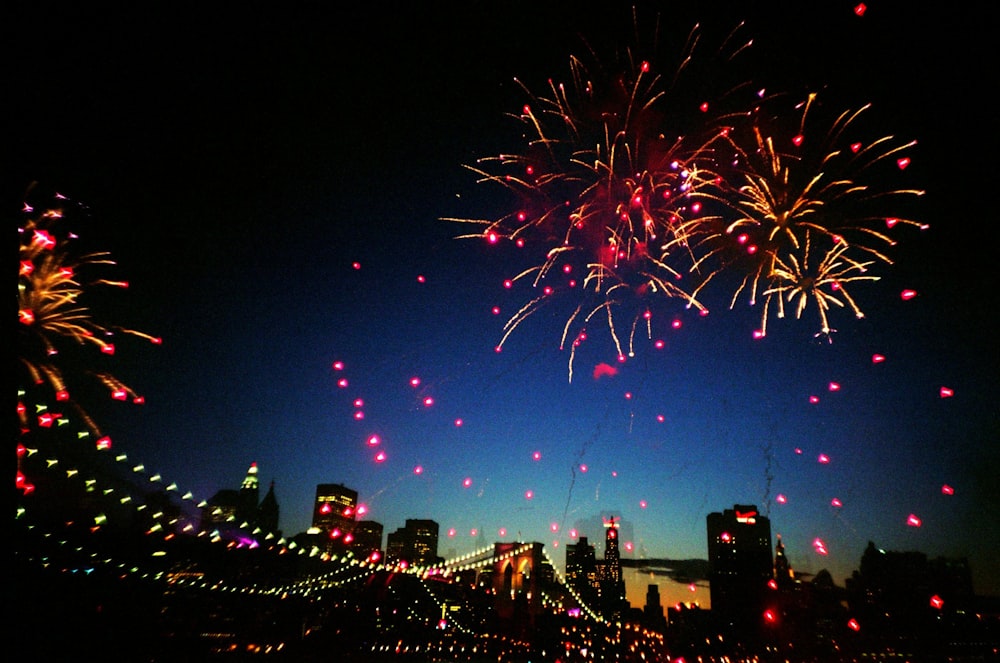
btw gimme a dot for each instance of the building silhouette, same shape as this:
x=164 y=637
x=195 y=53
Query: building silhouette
x=367 y=543
x=740 y=569
x=415 y=543
x=333 y=519
x=581 y=571
x=609 y=572
x=652 y=613
x=233 y=513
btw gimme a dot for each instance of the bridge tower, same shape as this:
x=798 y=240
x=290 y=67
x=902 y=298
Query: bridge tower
x=515 y=580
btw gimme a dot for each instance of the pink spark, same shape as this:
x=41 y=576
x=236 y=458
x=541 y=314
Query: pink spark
x=458 y=423
x=947 y=490
x=119 y=394
x=798 y=451
x=554 y=527
x=878 y=359
x=428 y=401
x=913 y=521
x=781 y=499
x=908 y=294
x=855 y=147
x=660 y=418
x=797 y=140
x=508 y=284
x=758 y=334
x=108 y=349
x=704 y=107
x=676 y=324
x=496 y=310
x=937 y=602
x=836 y=502
x=342 y=383
x=772 y=584
x=890 y=222
x=823 y=458
x=338 y=365
x=359 y=415
x=658 y=344
x=628 y=546
x=814 y=399
x=529 y=494
x=421 y=278
x=583 y=468
x=833 y=386
x=859 y=10
x=628 y=395
x=853 y=624
x=903 y=162
x=451 y=531
x=380 y=457
x=466 y=482
x=573 y=534
x=473 y=532
x=356 y=265
x=946 y=392
x=502 y=532
x=418 y=469
x=692 y=587
x=374 y=440
x=492 y=237
x=104 y=443
x=536 y=455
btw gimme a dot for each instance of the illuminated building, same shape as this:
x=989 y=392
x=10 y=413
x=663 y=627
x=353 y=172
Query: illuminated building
x=334 y=512
x=581 y=571
x=740 y=567
x=367 y=539
x=233 y=512
x=613 y=603
x=415 y=543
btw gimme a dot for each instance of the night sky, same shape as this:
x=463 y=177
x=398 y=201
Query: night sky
x=272 y=182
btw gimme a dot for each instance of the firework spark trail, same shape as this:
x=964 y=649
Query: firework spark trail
x=53 y=314
x=633 y=201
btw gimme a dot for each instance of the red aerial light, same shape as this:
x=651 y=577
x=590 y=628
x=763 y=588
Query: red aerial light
x=770 y=616
x=26 y=316
x=108 y=349
x=937 y=602
x=119 y=394
x=947 y=490
x=27 y=267
x=853 y=624
x=62 y=395
x=946 y=392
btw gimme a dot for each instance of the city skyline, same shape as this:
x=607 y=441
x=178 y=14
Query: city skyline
x=275 y=197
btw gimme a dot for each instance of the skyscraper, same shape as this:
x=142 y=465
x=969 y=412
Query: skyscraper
x=613 y=603
x=740 y=563
x=334 y=512
x=415 y=543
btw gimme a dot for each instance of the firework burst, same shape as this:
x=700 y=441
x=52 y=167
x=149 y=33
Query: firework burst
x=604 y=189
x=791 y=180
x=632 y=190
x=54 y=318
